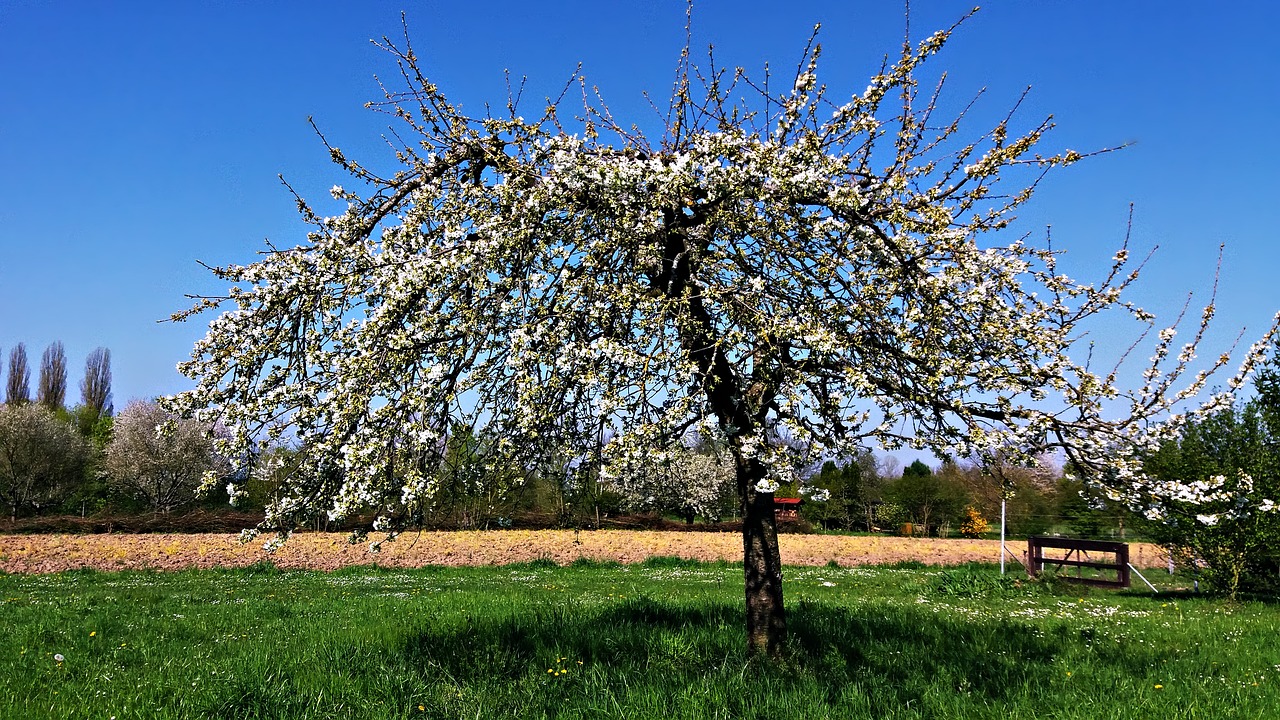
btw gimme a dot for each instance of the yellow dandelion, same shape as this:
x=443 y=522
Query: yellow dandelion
x=1068 y=673
x=1159 y=687
x=422 y=708
x=95 y=632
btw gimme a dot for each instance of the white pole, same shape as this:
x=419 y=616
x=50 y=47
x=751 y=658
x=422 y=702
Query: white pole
x=1003 y=501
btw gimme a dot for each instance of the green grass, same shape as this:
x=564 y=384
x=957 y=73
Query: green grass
x=598 y=640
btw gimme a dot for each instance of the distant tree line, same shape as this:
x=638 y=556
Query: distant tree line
x=871 y=494
x=83 y=459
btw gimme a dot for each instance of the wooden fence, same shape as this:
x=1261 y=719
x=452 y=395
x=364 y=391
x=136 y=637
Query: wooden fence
x=1078 y=556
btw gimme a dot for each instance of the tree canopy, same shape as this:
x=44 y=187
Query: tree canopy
x=41 y=457
x=95 y=388
x=774 y=262
x=1210 y=495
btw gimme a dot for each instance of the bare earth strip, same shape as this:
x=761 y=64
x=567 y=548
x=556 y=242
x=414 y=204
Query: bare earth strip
x=328 y=551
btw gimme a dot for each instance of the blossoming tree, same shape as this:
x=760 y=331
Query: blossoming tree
x=787 y=263
x=164 y=469
x=689 y=483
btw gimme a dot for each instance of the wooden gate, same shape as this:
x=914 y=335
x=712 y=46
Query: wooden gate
x=1078 y=557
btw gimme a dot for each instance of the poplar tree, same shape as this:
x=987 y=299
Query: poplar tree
x=52 y=390
x=95 y=388
x=18 y=388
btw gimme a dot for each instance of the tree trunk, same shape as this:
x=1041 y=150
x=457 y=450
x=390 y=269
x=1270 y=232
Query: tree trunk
x=761 y=566
x=726 y=396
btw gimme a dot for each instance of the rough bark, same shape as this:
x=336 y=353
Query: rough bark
x=761 y=566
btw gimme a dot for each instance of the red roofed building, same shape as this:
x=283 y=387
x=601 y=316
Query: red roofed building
x=786 y=508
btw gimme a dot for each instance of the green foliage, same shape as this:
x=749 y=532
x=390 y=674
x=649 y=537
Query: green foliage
x=1032 y=510
x=853 y=486
x=271 y=469
x=475 y=485
x=95 y=428
x=1240 y=550
x=91 y=493
x=1081 y=518
x=974 y=582
x=888 y=515
x=1218 y=513
x=928 y=499
x=917 y=469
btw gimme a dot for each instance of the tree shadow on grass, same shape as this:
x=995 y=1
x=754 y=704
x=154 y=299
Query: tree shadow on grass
x=644 y=657
x=631 y=635
x=901 y=651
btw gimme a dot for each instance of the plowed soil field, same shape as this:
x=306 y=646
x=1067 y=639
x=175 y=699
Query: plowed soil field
x=329 y=551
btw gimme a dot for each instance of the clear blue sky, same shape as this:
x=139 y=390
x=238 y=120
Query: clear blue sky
x=137 y=138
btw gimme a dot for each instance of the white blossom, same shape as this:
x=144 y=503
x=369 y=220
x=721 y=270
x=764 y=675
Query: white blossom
x=767 y=485
x=816 y=494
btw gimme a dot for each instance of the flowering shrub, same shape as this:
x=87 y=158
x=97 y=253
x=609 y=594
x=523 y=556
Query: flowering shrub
x=974 y=525
x=163 y=468
x=1210 y=496
x=41 y=458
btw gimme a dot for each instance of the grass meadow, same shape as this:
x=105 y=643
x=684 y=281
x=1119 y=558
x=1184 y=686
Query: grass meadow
x=589 y=640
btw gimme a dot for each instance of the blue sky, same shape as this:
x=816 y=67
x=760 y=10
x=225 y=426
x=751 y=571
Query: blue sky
x=137 y=138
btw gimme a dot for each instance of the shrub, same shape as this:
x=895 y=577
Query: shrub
x=1210 y=496
x=966 y=582
x=974 y=525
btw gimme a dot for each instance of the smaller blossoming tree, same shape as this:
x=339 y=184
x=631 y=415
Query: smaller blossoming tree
x=689 y=483
x=41 y=458
x=974 y=525
x=162 y=468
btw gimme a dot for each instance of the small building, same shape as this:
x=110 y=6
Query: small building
x=786 y=508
